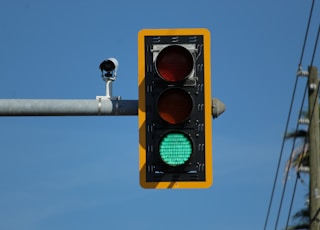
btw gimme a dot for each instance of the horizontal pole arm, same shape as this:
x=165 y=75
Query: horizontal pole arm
x=66 y=107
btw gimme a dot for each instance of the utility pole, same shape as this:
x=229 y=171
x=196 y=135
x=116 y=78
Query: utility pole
x=314 y=158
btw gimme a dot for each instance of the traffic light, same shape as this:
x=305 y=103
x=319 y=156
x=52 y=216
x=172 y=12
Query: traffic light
x=175 y=110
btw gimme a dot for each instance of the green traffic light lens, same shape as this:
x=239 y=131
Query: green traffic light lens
x=174 y=63
x=175 y=149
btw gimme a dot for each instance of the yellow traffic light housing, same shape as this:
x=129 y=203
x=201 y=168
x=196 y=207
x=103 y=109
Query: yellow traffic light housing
x=175 y=110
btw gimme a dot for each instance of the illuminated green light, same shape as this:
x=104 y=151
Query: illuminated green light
x=175 y=149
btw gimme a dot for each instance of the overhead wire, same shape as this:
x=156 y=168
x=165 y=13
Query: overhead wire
x=306 y=34
x=280 y=155
x=294 y=190
x=288 y=118
x=299 y=164
x=300 y=113
x=289 y=163
x=315 y=46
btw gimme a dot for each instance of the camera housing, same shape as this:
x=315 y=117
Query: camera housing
x=109 y=68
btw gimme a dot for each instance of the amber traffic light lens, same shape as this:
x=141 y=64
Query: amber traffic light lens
x=174 y=63
x=175 y=106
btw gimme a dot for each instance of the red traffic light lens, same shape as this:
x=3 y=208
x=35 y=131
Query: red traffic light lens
x=175 y=106
x=174 y=63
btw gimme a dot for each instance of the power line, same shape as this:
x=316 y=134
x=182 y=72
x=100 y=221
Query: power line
x=313 y=108
x=304 y=145
x=315 y=46
x=289 y=165
x=281 y=153
x=288 y=118
x=295 y=186
x=299 y=164
x=306 y=34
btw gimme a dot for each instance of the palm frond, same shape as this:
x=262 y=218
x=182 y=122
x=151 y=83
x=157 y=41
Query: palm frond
x=299 y=133
x=299 y=159
x=302 y=218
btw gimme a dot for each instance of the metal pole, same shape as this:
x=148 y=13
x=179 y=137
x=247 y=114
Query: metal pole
x=313 y=83
x=103 y=105
x=63 y=107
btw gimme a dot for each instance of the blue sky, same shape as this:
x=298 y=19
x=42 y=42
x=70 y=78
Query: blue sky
x=82 y=172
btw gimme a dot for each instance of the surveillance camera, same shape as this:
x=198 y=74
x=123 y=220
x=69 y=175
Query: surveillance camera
x=109 y=69
x=110 y=66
